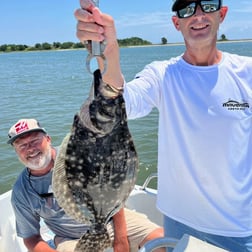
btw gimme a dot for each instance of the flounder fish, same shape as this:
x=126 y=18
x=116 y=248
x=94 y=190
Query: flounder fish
x=96 y=167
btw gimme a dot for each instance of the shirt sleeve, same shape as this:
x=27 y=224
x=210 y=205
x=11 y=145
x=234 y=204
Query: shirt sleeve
x=143 y=93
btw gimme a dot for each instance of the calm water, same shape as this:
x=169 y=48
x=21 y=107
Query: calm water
x=51 y=86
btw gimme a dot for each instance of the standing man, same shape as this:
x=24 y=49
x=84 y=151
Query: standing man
x=33 y=199
x=204 y=98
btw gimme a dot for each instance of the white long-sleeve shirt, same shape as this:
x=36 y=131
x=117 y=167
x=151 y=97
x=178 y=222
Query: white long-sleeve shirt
x=204 y=140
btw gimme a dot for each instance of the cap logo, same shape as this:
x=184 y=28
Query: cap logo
x=21 y=126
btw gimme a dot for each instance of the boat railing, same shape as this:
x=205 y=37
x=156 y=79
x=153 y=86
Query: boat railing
x=148 y=180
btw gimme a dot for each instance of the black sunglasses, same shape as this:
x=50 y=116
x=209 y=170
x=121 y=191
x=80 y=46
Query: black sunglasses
x=188 y=9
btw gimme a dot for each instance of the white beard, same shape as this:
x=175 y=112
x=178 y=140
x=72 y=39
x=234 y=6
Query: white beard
x=41 y=162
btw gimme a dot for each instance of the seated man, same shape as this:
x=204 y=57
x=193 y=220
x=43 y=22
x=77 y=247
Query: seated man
x=32 y=199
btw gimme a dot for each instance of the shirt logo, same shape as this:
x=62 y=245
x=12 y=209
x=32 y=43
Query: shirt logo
x=235 y=105
x=21 y=126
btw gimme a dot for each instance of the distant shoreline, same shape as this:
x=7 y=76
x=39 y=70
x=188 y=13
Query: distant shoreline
x=218 y=41
x=182 y=43
x=134 y=46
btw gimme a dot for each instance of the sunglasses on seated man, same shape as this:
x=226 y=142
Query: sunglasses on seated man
x=188 y=8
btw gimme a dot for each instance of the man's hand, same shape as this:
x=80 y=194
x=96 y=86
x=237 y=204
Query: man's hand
x=37 y=244
x=94 y=25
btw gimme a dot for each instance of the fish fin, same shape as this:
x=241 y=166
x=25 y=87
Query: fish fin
x=93 y=241
x=61 y=190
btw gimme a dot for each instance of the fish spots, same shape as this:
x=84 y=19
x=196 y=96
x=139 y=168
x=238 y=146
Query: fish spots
x=97 y=165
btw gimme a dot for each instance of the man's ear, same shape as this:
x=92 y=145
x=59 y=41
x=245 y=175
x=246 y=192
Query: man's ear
x=223 y=13
x=175 y=21
x=48 y=138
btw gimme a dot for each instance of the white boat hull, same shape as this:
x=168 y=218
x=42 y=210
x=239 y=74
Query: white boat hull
x=8 y=238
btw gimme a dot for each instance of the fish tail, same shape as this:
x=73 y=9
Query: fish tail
x=93 y=242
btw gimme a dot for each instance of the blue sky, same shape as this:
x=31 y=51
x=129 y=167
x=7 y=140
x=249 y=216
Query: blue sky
x=32 y=21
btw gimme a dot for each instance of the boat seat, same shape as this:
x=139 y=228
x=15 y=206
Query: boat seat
x=144 y=201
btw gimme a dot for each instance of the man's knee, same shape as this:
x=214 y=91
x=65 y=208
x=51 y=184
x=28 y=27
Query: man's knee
x=156 y=233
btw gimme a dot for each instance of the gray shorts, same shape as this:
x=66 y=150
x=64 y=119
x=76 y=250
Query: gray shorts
x=138 y=227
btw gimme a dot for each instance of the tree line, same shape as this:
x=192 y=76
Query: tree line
x=133 y=41
x=40 y=46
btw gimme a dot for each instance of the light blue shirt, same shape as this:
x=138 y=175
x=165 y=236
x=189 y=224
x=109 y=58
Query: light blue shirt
x=29 y=207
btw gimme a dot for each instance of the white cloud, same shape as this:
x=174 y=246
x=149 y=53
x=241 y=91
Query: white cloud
x=152 y=18
x=151 y=26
